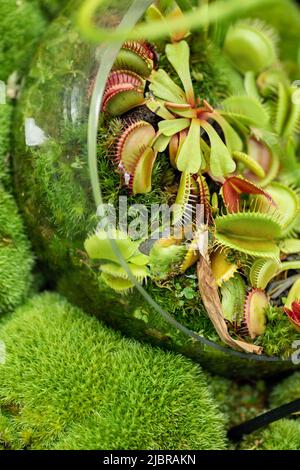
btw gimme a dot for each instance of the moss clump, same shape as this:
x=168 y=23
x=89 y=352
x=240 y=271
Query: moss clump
x=280 y=334
x=51 y=7
x=68 y=382
x=282 y=435
x=180 y=297
x=243 y=401
x=8 y=435
x=15 y=256
x=5 y=128
x=21 y=24
x=239 y=401
x=286 y=391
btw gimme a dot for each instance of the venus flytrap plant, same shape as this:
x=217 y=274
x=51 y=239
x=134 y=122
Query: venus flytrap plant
x=252 y=233
x=292 y=305
x=185 y=120
x=235 y=187
x=222 y=269
x=287 y=204
x=124 y=90
x=100 y=248
x=169 y=257
x=165 y=11
x=233 y=294
x=251 y=46
x=262 y=271
x=136 y=56
x=255 y=312
x=225 y=159
x=135 y=156
x=290 y=246
x=189 y=113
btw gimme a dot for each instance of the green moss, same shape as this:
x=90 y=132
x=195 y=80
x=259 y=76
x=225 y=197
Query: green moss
x=286 y=391
x=280 y=334
x=51 y=7
x=282 y=435
x=15 y=256
x=68 y=209
x=180 y=297
x=8 y=436
x=110 y=178
x=5 y=130
x=239 y=401
x=21 y=24
x=214 y=79
x=68 y=382
x=243 y=401
x=63 y=217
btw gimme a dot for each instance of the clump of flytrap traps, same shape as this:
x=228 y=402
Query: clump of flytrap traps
x=237 y=159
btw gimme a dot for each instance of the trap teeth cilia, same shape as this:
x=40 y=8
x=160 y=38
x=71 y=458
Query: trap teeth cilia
x=235 y=157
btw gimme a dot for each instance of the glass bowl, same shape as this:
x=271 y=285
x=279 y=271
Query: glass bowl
x=55 y=143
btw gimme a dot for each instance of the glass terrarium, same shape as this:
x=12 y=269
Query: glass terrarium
x=203 y=121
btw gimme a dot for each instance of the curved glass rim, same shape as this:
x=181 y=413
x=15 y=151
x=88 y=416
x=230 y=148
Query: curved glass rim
x=109 y=53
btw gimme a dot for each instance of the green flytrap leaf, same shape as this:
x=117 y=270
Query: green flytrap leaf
x=184 y=110
x=255 y=312
x=287 y=204
x=221 y=162
x=162 y=86
x=179 y=56
x=282 y=108
x=124 y=101
x=171 y=127
x=143 y=172
x=134 y=61
x=251 y=86
x=113 y=270
x=161 y=143
x=118 y=284
x=157 y=107
x=182 y=198
x=290 y=246
x=249 y=163
x=99 y=247
x=266 y=156
x=190 y=156
x=292 y=124
x=166 y=258
x=232 y=139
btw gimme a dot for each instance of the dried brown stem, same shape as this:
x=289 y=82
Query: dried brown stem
x=211 y=300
